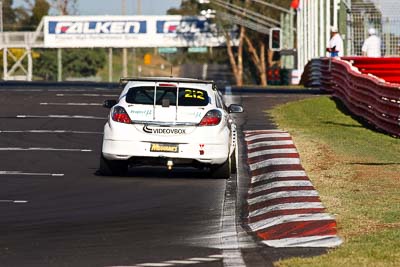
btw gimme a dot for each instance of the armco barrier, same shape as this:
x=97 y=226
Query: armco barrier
x=312 y=77
x=368 y=96
x=382 y=67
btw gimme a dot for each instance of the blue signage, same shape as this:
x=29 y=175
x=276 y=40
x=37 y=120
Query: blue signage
x=97 y=27
x=185 y=26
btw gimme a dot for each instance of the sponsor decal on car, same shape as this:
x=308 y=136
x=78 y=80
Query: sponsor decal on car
x=164 y=148
x=142 y=112
x=194 y=114
x=166 y=131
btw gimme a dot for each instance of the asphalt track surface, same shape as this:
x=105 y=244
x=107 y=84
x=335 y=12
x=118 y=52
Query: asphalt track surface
x=55 y=210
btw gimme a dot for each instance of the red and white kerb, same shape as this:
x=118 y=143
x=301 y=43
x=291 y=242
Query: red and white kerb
x=284 y=209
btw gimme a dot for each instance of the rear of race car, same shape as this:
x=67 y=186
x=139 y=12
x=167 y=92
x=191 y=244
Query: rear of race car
x=170 y=124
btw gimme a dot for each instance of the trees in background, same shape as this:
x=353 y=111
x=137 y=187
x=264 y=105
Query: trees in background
x=65 y=7
x=187 y=8
x=39 y=9
x=249 y=58
x=24 y=18
x=76 y=62
x=83 y=62
x=9 y=15
x=257 y=44
x=252 y=50
x=29 y=17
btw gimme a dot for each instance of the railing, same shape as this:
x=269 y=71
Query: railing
x=21 y=39
x=365 y=95
x=387 y=68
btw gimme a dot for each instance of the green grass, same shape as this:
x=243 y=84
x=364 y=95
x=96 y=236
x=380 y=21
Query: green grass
x=357 y=173
x=320 y=117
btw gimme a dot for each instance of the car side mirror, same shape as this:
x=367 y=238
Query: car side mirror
x=109 y=103
x=234 y=108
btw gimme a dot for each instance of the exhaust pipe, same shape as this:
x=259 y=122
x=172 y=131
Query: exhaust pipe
x=170 y=163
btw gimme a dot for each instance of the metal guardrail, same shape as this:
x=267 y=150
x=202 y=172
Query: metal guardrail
x=367 y=96
x=312 y=75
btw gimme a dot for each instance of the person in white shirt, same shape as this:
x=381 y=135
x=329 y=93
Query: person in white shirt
x=335 y=45
x=372 y=45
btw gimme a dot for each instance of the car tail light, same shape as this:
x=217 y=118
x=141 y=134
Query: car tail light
x=119 y=115
x=212 y=118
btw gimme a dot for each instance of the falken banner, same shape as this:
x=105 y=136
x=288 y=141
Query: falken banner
x=130 y=31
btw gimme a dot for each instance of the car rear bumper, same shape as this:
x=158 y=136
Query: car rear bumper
x=205 y=153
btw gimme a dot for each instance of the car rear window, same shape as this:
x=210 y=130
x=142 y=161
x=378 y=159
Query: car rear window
x=186 y=96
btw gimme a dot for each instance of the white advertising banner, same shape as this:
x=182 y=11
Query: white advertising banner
x=130 y=31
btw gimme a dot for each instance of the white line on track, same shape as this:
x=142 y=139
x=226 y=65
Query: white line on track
x=265 y=135
x=13 y=201
x=190 y=261
x=30 y=173
x=252 y=132
x=71 y=104
x=75 y=90
x=60 y=117
x=49 y=131
x=279 y=184
x=289 y=218
x=328 y=241
x=204 y=259
x=95 y=95
x=155 y=264
x=43 y=149
x=21 y=90
x=286 y=206
x=270 y=143
x=272 y=151
x=277 y=174
x=232 y=255
x=274 y=162
x=282 y=194
x=182 y=262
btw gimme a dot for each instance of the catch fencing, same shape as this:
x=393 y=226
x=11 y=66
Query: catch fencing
x=370 y=91
x=387 y=29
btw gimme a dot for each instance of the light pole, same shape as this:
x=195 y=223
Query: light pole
x=123 y=7
x=1 y=16
x=124 y=50
x=139 y=7
x=134 y=57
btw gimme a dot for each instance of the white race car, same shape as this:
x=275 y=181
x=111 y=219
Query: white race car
x=170 y=122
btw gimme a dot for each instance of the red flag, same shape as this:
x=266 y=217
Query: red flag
x=295 y=4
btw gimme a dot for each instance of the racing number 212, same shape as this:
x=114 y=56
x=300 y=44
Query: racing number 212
x=194 y=94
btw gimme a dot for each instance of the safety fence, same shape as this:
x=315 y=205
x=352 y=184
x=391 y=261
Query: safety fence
x=370 y=91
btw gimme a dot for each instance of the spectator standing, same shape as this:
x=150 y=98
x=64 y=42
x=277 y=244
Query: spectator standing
x=335 y=45
x=372 y=45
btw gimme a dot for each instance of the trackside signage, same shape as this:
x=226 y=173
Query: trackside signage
x=130 y=31
x=97 y=27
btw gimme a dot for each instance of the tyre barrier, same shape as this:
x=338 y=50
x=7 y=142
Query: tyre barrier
x=284 y=209
x=373 y=98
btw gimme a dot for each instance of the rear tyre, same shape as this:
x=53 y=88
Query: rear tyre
x=113 y=167
x=222 y=171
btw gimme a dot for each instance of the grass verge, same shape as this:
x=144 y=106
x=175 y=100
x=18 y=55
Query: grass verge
x=357 y=173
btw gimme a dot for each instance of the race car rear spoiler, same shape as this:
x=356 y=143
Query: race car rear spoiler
x=124 y=80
